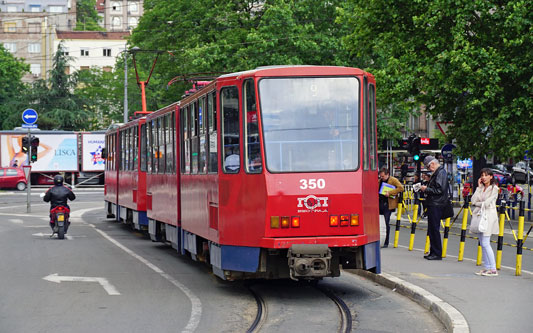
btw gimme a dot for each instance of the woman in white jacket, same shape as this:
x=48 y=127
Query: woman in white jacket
x=487 y=194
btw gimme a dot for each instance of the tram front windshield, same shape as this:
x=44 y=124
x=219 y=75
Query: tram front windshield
x=310 y=124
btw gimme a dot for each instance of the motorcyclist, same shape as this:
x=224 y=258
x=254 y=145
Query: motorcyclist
x=58 y=195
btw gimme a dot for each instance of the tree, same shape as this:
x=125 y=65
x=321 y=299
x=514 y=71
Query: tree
x=59 y=107
x=227 y=36
x=465 y=61
x=87 y=16
x=11 y=89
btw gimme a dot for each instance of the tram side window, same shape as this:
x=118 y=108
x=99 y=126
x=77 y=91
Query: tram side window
x=372 y=128
x=194 y=137
x=136 y=147
x=253 y=147
x=202 y=119
x=155 y=147
x=161 y=122
x=169 y=142
x=149 y=147
x=365 y=125
x=229 y=105
x=122 y=150
x=212 y=138
x=186 y=144
x=144 y=151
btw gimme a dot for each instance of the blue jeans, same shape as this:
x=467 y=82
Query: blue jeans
x=488 y=254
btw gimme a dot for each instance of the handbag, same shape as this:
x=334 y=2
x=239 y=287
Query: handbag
x=448 y=212
x=483 y=219
x=480 y=221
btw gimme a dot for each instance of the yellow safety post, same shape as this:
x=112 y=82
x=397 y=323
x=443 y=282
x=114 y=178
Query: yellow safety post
x=426 y=249
x=479 y=254
x=463 y=228
x=413 y=224
x=398 y=218
x=500 y=236
x=445 y=238
x=520 y=240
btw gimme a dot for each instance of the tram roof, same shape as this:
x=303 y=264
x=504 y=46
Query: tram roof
x=304 y=70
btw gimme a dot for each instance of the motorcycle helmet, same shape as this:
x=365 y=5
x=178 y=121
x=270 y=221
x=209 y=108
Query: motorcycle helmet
x=58 y=180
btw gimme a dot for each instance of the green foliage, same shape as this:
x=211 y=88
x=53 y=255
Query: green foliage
x=87 y=16
x=11 y=89
x=54 y=99
x=467 y=61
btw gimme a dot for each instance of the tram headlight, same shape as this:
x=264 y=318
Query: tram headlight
x=345 y=220
x=274 y=222
x=285 y=221
x=354 y=220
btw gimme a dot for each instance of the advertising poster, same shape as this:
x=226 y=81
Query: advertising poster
x=57 y=152
x=92 y=145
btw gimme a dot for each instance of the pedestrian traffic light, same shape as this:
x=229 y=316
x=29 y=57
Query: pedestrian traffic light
x=34 y=148
x=25 y=144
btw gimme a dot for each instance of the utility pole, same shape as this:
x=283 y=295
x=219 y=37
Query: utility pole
x=125 y=86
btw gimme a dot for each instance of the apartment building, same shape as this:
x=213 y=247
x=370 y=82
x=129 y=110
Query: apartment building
x=27 y=30
x=119 y=15
x=92 y=48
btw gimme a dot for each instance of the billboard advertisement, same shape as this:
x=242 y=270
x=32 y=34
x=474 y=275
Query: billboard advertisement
x=57 y=152
x=91 y=147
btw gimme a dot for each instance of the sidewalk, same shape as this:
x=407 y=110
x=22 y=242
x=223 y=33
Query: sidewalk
x=488 y=304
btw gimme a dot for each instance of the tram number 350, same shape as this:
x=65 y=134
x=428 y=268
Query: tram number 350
x=312 y=184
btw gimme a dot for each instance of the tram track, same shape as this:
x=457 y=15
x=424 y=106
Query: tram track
x=262 y=317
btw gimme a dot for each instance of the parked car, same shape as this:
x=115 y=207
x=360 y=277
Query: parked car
x=519 y=174
x=501 y=174
x=12 y=178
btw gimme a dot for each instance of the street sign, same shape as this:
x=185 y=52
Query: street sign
x=27 y=170
x=29 y=125
x=29 y=116
x=446 y=151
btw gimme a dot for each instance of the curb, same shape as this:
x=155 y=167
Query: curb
x=452 y=319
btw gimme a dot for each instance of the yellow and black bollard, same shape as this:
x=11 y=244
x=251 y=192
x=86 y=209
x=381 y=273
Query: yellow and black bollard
x=463 y=228
x=426 y=248
x=397 y=231
x=414 y=223
x=520 y=239
x=445 y=238
x=479 y=253
x=500 y=235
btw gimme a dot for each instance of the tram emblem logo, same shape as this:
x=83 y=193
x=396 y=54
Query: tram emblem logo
x=312 y=202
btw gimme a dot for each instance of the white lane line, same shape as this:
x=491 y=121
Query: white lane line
x=196 y=311
x=16 y=221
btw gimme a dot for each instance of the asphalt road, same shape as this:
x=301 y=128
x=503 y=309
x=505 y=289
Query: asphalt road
x=107 y=278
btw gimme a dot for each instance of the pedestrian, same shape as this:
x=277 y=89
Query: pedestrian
x=436 y=193
x=486 y=194
x=389 y=196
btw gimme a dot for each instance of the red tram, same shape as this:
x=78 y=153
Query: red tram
x=268 y=173
x=125 y=193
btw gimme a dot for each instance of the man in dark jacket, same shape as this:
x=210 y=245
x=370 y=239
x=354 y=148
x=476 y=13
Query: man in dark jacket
x=58 y=195
x=436 y=194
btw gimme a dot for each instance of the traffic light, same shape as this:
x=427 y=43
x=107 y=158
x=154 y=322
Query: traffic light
x=34 y=148
x=25 y=144
x=415 y=150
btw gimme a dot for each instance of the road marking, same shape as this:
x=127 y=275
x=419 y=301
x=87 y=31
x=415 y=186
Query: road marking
x=16 y=221
x=109 y=288
x=196 y=304
x=422 y=275
x=69 y=237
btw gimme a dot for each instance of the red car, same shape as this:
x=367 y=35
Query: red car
x=12 y=178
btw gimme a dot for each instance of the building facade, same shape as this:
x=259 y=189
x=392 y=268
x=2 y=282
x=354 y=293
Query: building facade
x=119 y=15
x=27 y=30
x=92 y=48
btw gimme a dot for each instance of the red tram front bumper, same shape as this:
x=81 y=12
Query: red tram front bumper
x=332 y=241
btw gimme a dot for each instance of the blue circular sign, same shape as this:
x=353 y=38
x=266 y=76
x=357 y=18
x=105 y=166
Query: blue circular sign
x=29 y=116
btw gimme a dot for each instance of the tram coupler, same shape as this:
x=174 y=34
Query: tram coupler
x=309 y=261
